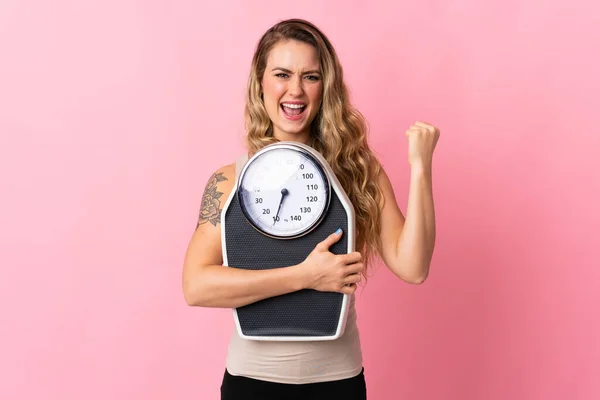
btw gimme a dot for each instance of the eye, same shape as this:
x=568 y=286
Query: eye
x=281 y=75
x=312 y=78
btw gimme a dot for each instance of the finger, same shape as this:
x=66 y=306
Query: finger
x=330 y=240
x=349 y=289
x=352 y=278
x=424 y=125
x=414 y=130
x=355 y=268
x=429 y=127
x=352 y=258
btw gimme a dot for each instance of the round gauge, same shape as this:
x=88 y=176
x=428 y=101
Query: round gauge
x=283 y=191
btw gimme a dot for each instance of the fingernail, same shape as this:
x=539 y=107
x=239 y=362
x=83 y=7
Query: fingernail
x=338 y=231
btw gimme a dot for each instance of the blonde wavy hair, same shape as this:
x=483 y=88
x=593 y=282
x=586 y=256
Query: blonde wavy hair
x=338 y=132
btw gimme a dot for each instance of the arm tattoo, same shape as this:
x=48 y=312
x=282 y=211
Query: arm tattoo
x=211 y=203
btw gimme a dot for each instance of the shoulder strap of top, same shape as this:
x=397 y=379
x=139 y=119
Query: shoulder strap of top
x=239 y=164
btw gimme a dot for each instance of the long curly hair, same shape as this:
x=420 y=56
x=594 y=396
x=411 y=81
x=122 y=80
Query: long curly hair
x=338 y=132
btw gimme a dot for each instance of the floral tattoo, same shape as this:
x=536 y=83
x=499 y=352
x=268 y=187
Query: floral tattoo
x=211 y=203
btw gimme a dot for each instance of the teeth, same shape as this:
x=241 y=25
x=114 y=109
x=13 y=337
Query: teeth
x=293 y=105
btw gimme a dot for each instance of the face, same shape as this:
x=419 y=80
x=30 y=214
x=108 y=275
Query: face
x=292 y=89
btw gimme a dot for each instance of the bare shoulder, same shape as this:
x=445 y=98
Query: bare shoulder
x=385 y=185
x=205 y=244
x=216 y=191
x=392 y=220
x=204 y=247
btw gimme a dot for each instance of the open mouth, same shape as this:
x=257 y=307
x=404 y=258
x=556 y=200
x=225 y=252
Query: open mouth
x=293 y=110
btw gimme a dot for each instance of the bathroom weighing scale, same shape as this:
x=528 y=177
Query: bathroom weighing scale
x=285 y=201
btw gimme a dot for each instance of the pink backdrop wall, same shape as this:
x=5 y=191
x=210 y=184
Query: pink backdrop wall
x=113 y=114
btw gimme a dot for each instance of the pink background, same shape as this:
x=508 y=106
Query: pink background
x=113 y=114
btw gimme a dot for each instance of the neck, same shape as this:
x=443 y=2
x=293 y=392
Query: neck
x=303 y=137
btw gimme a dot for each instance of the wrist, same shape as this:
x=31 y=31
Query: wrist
x=300 y=278
x=421 y=168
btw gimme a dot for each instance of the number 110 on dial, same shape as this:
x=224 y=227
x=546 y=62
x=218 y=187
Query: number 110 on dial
x=284 y=192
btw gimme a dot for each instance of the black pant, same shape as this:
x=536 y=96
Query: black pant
x=243 y=388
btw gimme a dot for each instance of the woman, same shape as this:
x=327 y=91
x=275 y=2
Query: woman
x=296 y=93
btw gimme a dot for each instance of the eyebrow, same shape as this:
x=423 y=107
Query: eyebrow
x=287 y=71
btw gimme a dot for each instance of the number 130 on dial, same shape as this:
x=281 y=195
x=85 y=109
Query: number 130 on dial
x=284 y=191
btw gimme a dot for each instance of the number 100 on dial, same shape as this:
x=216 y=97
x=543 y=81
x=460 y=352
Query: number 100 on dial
x=284 y=191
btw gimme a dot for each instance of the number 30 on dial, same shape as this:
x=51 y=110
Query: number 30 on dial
x=283 y=191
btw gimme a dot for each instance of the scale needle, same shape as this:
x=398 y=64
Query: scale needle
x=284 y=193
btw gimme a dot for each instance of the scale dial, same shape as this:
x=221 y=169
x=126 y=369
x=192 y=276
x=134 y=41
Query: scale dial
x=283 y=191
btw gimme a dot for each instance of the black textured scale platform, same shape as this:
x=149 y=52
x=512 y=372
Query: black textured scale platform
x=306 y=313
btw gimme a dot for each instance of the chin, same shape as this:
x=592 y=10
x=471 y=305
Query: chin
x=292 y=128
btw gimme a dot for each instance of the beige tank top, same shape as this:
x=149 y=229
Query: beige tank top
x=297 y=362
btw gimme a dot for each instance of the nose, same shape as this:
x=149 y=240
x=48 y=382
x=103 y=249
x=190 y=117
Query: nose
x=295 y=87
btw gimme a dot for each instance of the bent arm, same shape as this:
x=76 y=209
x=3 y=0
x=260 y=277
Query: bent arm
x=206 y=282
x=408 y=243
x=417 y=240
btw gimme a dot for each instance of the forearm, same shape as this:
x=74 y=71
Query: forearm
x=225 y=287
x=417 y=240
